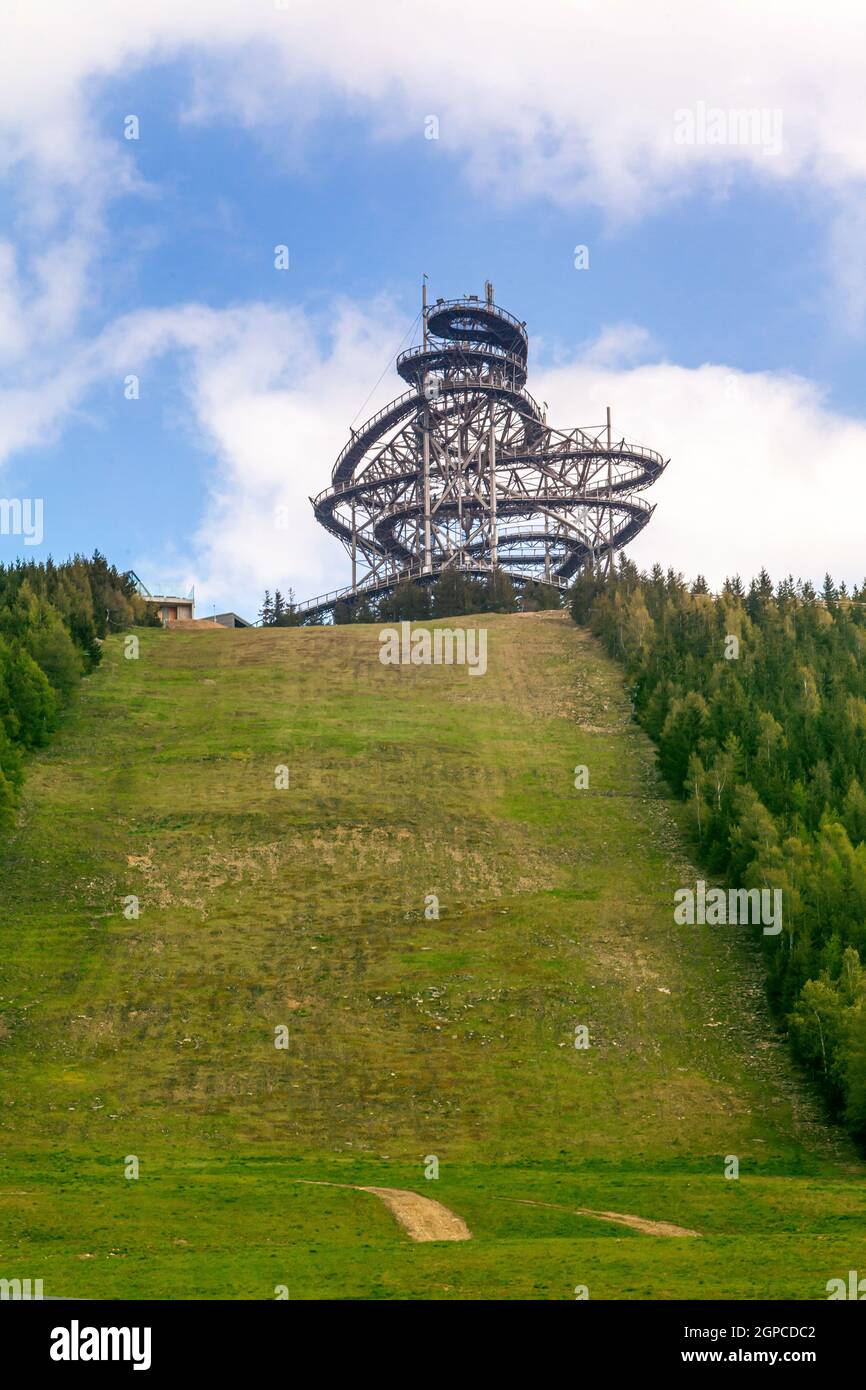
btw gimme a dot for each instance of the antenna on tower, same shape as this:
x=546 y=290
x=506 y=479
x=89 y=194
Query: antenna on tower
x=488 y=290
x=424 y=308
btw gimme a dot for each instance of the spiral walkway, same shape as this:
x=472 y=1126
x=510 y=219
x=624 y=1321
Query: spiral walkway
x=463 y=471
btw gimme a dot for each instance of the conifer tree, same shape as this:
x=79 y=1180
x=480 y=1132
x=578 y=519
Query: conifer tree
x=767 y=741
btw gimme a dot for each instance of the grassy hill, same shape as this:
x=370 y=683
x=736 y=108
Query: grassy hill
x=408 y=1037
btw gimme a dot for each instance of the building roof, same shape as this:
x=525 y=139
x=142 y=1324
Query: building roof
x=237 y=619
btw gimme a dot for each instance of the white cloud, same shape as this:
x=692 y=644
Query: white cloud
x=619 y=345
x=755 y=457
x=276 y=441
x=758 y=461
x=761 y=471
x=271 y=395
x=573 y=103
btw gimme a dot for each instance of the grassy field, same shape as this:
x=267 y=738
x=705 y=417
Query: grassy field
x=408 y=1037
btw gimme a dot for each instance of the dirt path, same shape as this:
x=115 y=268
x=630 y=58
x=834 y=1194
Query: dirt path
x=637 y=1223
x=422 y=1218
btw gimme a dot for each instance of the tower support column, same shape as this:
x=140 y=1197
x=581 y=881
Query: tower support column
x=354 y=551
x=425 y=442
x=609 y=499
x=494 y=529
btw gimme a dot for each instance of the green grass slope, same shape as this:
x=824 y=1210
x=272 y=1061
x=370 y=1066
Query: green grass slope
x=408 y=1037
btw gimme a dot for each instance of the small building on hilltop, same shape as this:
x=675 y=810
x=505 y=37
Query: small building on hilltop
x=230 y=620
x=173 y=608
x=170 y=608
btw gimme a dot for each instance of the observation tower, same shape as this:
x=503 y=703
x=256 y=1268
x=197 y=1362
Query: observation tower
x=463 y=470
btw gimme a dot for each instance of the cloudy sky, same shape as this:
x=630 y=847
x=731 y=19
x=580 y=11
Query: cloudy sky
x=710 y=158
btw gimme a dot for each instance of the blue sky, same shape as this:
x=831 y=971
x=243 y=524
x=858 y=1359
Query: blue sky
x=722 y=314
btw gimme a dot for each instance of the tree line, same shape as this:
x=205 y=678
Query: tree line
x=756 y=700
x=53 y=618
x=454 y=593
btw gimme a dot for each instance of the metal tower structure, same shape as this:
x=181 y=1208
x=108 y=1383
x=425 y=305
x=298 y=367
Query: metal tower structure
x=463 y=471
